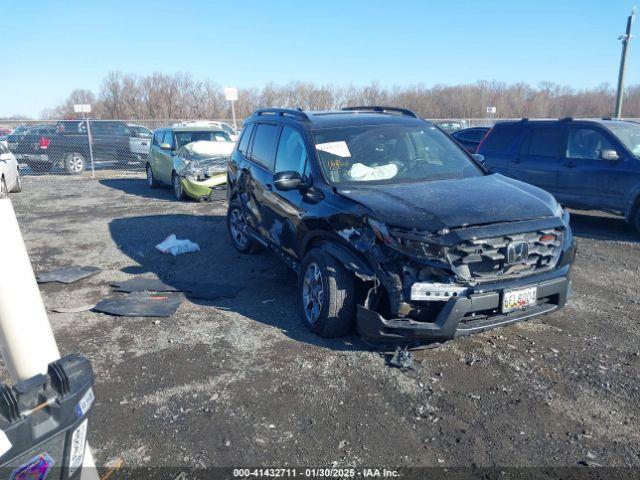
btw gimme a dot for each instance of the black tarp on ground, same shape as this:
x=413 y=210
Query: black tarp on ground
x=141 y=304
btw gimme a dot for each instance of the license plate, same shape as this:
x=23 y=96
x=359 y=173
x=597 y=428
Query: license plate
x=519 y=299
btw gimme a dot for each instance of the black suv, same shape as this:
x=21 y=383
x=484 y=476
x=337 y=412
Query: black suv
x=389 y=222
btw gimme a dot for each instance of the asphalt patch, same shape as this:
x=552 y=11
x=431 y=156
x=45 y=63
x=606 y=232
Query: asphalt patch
x=67 y=274
x=141 y=304
x=208 y=291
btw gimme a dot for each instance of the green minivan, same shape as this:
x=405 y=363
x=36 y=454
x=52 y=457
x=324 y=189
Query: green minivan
x=165 y=165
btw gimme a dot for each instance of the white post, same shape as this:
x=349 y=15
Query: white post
x=27 y=343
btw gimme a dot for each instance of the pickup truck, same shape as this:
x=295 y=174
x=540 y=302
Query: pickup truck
x=68 y=146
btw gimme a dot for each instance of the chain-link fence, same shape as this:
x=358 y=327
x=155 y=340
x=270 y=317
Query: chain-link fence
x=110 y=148
x=101 y=148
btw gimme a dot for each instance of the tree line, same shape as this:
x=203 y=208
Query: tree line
x=180 y=96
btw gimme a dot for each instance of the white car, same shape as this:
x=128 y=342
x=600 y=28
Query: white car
x=233 y=134
x=9 y=173
x=140 y=140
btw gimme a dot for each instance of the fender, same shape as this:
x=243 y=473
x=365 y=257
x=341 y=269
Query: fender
x=351 y=261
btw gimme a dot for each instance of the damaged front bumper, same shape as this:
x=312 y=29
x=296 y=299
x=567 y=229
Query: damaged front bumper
x=476 y=310
x=202 y=189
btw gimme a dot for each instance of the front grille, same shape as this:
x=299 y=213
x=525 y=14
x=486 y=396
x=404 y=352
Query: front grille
x=487 y=258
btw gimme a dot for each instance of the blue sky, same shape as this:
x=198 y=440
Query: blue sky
x=53 y=46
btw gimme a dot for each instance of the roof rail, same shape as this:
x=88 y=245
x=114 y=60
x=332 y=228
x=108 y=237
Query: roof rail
x=282 y=112
x=402 y=111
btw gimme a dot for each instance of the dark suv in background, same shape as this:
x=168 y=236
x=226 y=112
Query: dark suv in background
x=585 y=164
x=391 y=223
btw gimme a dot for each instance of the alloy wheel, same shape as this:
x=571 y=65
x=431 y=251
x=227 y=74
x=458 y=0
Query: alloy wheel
x=238 y=227
x=312 y=293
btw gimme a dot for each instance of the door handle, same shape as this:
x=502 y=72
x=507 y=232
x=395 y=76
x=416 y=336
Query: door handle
x=568 y=164
x=516 y=160
x=269 y=187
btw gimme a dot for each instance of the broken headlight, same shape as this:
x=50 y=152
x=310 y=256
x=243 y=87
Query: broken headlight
x=201 y=170
x=407 y=242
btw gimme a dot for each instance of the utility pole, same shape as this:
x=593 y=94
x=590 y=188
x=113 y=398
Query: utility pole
x=626 y=38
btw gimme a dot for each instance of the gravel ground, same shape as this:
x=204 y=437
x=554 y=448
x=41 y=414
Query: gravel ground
x=241 y=382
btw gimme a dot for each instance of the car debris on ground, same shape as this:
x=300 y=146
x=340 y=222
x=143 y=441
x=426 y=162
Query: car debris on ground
x=141 y=304
x=67 y=274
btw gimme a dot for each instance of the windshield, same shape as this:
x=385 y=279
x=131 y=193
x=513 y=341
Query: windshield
x=629 y=134
x=184 y=137
x=391 y=154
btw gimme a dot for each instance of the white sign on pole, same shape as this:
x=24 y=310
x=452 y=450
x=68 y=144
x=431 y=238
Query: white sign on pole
x=492 y=109
x=82 y=108
x=231 y=94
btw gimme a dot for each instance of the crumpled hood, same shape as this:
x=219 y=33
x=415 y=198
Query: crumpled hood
x=431 y=206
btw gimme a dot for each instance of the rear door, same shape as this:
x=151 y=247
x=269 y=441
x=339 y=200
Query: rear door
x=259 y=178
x=498 y=147
x=100 y=139
x=584 y=178
x=539 y=156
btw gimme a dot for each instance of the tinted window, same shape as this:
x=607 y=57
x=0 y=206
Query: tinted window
x=499 y=139
x=292 y=154
x=157 y=137
x=244 y=140
x=264 y=144
x=587 y=144
x=473 y=135
x=542 y=142
x=168 y=137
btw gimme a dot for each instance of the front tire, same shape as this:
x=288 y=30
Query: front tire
x=327 y=295
x=176 y=185
x=151 y=180
x=237 y=228
x=74 y=163
x=636 y=221
x=4 y=191
x=18 y=187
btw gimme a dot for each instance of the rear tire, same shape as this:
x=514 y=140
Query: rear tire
x=151 y=180
x=74 y=163
x=176 y=186
x=237 y=228
x=326 y=295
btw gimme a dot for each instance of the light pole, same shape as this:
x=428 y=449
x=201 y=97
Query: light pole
x=623 y=61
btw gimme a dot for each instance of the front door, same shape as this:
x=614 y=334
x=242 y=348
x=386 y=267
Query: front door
x=584 y=178
x=164 y=157
x=286 y=208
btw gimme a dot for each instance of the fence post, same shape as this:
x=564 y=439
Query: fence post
x=93 y=172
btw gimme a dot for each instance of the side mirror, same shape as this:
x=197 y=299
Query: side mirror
x=165 y=146
x=478 y=158
x=285 y=181
x=610 y=155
